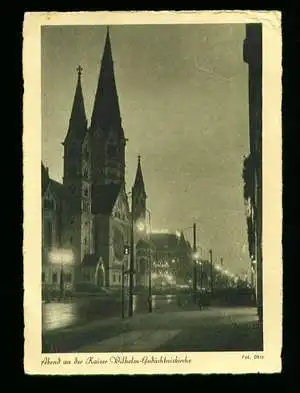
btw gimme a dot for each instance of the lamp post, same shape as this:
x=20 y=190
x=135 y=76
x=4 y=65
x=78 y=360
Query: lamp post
x=201 y=274
x=131 y=263
x=194 y=258
x=61 y=281
x=149 y=268
x=150 y=283
x=61 y=257
x=211 y=272
x=195 y=262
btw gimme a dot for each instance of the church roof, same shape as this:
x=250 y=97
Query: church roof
x=143 y=243
x=57 y=188
x=78 y=122
x=106 y=110
x=104 y=198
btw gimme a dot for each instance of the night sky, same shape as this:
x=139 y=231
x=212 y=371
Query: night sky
x=184 y=104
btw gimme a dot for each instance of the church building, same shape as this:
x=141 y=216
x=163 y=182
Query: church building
x=87 y=217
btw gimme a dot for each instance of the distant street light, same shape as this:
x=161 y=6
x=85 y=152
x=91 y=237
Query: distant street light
x=62 y=257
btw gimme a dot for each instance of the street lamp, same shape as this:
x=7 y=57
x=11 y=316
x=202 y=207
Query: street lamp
x=62 y=257
x=149 y=266
x=201 y=274
x=195 y=258
x=141 y=228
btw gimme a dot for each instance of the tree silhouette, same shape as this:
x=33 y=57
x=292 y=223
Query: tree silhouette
x=248 y=190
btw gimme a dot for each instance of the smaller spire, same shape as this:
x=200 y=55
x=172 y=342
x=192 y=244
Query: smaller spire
x=139 y=180
x=78 y=121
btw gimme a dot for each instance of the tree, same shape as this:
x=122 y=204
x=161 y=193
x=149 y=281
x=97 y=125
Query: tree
x=249 y=198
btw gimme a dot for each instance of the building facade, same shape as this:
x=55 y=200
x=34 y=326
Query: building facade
x=172 y=259
x=87 y=218
x=253 y=163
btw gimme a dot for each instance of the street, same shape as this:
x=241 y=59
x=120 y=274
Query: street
x=211 y=329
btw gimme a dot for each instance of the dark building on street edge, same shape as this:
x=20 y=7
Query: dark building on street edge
x=253 y=162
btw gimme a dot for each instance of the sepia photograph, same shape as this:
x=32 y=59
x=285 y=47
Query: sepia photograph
x=151 y=191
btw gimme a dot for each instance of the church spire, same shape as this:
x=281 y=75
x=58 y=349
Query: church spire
x=106 y=111
x=139 y=180
x=78 y=121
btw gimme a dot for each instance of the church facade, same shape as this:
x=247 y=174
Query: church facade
x=86 y=219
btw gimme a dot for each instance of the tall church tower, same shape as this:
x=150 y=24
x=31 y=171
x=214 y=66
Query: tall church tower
x=109 y=203
x=108 y=141
x=139 y=195
x=77 y=216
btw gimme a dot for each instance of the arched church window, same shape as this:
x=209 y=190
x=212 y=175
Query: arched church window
x=86 y=192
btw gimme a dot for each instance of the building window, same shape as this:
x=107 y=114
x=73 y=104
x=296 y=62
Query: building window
x=86 y=192
x=119 y=278
x=85 y=241
x=114 y=278
x=54 y=278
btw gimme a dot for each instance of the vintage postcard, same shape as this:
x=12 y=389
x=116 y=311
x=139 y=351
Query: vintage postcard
x=152 y=192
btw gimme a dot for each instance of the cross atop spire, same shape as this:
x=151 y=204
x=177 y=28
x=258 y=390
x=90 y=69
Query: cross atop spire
x=79 y=71
x=78 y=121
x=139 y=180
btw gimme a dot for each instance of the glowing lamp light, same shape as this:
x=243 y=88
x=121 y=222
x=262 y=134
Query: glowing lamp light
x=61 y=256
x=141 y=226
x=196 y=255
x=158 y=231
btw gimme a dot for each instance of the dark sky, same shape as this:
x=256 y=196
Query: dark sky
x=184 y=104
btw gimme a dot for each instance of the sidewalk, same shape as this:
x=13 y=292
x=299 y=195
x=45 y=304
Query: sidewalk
x=146 y=332
x=68 y=338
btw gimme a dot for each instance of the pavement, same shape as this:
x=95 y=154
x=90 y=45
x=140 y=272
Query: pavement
x=211 y=329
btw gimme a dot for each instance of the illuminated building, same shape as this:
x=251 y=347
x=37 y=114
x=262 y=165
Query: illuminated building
x=88 y=213
x=172 y=257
